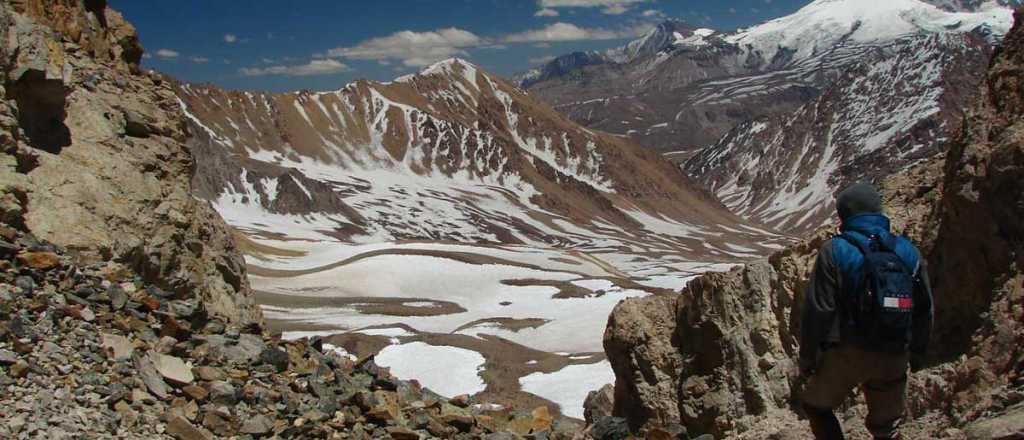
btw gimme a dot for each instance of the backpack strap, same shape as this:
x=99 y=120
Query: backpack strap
x=850 y=307
x=855 y=242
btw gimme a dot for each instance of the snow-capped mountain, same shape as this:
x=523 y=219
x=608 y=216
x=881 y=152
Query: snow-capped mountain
x=826 y=25
x=693 y=92
x=898 y=106
x=451 y=153
x=668 y=34
x=972 y=5
x=664 y=37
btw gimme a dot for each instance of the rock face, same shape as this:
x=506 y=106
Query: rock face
x=899 y=105
x=714 y=355
x=720 y=360
x=95 y=157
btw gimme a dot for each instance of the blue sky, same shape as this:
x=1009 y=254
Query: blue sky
x=323 y=44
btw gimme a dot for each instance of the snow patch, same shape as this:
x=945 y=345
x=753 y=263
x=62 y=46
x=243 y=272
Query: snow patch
x=569 y=386
x=448 y=371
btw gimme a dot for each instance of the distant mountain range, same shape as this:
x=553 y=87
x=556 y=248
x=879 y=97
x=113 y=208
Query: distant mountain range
x=702 y=96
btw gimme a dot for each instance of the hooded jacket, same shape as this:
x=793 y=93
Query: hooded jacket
x=838 y=265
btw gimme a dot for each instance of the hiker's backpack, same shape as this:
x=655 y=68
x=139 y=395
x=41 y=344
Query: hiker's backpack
x=880 y=304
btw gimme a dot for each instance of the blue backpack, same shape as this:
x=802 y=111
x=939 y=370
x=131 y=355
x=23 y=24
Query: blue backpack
x=881 y=305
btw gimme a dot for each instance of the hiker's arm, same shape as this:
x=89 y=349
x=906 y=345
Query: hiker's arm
x=924 y=312
x=819 y=309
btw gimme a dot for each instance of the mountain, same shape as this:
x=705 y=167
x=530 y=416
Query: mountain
x=717 y=360
x=689 y=95
x=897 y=106
x=447 y=154
x=450 y=214
x=663 y=37
x=972 y=5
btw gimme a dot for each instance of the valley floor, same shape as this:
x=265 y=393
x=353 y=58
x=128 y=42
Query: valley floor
x=510 y=325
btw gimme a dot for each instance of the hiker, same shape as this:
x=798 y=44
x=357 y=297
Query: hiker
x=868 y=313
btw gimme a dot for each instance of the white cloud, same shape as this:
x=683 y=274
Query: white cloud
x=653 y=13
x=167 y=53
x=542 y=60
x=546 y=12
x=230 y=38
x=615 y=10
x=413 y=48
x=314 y=67
x=567 y=32
x=586 y=3
x=610 y=7
x=200 y=60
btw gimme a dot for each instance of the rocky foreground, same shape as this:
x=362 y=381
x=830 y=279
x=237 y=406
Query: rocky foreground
x=95 y=352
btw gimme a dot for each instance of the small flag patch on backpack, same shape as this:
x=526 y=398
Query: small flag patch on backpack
x=899 y=303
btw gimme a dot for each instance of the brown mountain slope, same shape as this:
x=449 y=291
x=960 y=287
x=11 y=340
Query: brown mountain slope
x=450 y=153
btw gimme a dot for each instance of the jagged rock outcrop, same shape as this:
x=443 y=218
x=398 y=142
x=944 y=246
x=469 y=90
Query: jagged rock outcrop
x=95 y=157
x=723 y=362
x=714 y=355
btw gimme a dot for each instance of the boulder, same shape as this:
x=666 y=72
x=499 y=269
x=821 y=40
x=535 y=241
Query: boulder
x=182 y=429
x=1007 y=426
x=173 y=369
x=116 y=347
x=599 y=403
x=610 y=428
x=39 y=260
x=399 y=433
x=275 y=357
x=260 y=424
x=222 y=392
x=152 y=378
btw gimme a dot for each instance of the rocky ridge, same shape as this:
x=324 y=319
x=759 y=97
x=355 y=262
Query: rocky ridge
x=95 y=157
x=719 y=358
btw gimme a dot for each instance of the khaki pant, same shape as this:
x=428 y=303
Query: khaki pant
x=882 y=376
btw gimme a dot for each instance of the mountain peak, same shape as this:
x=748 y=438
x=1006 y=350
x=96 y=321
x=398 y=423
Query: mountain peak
x=454 y=66
x=446 y=64
x=824 y=24
x=661 y=37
